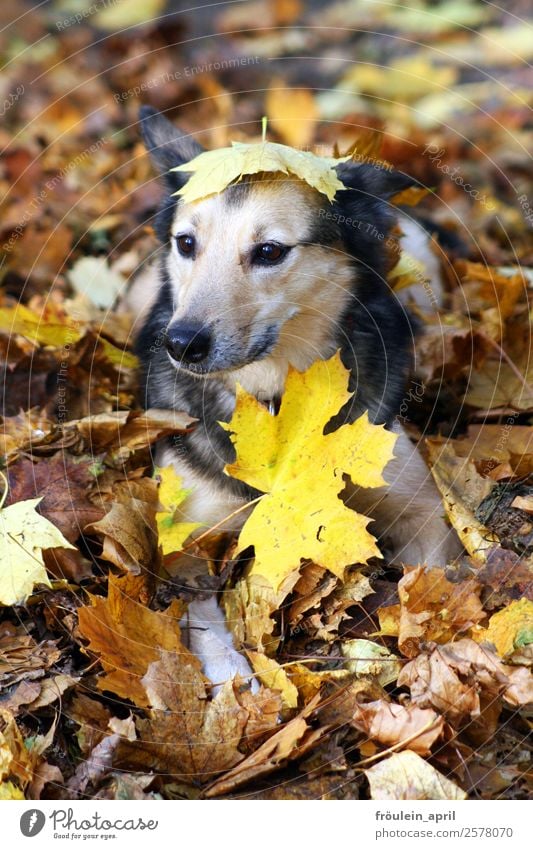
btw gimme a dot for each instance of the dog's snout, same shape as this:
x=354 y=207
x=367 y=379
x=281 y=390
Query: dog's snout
x=188 y=341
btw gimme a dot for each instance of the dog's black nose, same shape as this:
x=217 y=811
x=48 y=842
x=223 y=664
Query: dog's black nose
x=188 y=341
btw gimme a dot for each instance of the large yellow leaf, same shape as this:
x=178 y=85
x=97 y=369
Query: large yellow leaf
x=24 y=535
x=172 y=533
x=214 y=170
x=288 y=457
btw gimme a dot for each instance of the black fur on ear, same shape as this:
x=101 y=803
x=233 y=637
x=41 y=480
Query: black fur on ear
x=375 y=181
x=362 y=216
x=363 y=212
x=168 y=147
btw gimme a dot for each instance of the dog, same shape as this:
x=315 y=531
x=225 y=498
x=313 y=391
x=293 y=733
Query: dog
x=266 y=274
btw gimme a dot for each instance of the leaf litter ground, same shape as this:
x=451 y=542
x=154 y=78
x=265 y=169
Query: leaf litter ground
x=388 y=683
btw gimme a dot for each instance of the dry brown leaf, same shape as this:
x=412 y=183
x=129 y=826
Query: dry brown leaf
x=406 y=775
x=509 y=575
x=249 y=609
x=100 y=759
x=92 y=717
x=20 y=694
x=26 y=428
x=291 y=741
x=496 y=293
x=43 y=774
x=22 y=658
x=129 y=534
x=22 y=763
x=493 y=445
x=431 y=608
x=314 y=583
x=452 y=678
x=64 y=483
x=390 y=724
x=462 y=489
x=125 y=432
x=185 y=734
x=263 y=709
x=52 y=689
x=127 y=637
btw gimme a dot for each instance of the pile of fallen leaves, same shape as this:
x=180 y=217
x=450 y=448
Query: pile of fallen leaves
x=374 y=680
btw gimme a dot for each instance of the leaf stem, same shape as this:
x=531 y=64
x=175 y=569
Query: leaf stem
x=6 y=489
x=223 y=521
x=401 y=744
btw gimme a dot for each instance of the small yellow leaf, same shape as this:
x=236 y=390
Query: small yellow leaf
x=118 y=356
x=214 y=170
x=274 y=677
x=408 y=271
x=288 y=457
x=9 y=791
x=24 y=535
x=510 y=628
x=172 y=532
x=38 y=328
x=127 y=13
x=292 y=113
x=405 y=81
x=367 y=658
x=410 y=197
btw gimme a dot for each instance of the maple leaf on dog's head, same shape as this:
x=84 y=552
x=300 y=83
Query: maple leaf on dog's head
x=214 y=170
x=289 y=457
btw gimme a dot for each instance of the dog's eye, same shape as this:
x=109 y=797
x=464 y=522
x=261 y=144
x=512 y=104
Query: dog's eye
x=186 y=244
x=269 y=253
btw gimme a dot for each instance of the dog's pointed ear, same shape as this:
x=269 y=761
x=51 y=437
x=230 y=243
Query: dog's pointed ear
x=377 y=181
x=166 y=144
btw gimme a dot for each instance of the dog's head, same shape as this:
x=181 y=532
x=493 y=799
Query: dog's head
x=266 y=267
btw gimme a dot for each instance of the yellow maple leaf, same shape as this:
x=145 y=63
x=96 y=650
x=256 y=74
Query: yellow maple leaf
x=24 y=535
x=288 y=457
x=172 y=533
x=214 y=170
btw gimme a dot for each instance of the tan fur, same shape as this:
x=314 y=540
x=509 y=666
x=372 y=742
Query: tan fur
x=221 y=286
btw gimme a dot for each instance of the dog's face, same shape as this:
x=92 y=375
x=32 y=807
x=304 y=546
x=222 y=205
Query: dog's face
x=249 y=277
x=253 y=270
x=256 y=273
